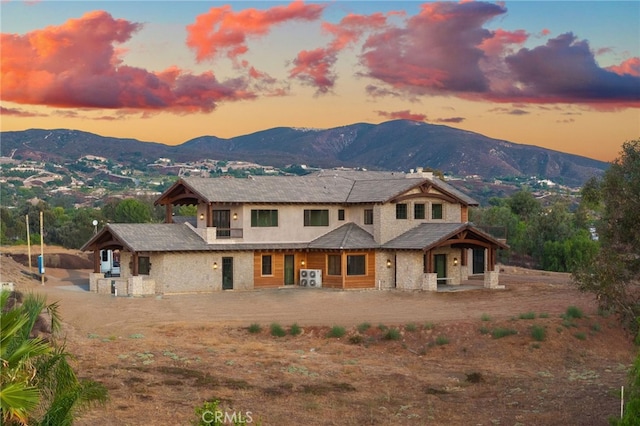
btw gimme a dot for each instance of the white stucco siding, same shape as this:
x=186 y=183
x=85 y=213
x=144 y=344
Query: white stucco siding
x=290 y=223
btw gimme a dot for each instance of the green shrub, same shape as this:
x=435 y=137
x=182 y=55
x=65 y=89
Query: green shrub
x=528 y=315
x=595 y=327
x=498 y=333
x=411 y=327
x=255 y=328
x=485 y=317
x=574 y=312
x=544 y=315
x=429 y=326
x=336 y=331
x=442 y=340
x=484 y=330
x=277 y=330
x=363 y=327
x=580 y=336
x=382 y=327
x=356 y=339
x=538 y=333
x=295 y=329
x=392 y=334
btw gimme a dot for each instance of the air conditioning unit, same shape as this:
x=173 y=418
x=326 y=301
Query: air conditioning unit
x=310 y=277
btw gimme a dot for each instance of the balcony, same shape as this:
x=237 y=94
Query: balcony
x=228 y=233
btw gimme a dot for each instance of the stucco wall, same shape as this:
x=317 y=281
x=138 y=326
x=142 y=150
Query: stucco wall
x=387 y=227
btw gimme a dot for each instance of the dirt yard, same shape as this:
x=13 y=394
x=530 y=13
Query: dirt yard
x=427 y=358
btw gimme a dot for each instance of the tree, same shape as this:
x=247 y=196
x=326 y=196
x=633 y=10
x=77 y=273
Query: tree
x=132 y=211
x=37 y=384
x=614 y=275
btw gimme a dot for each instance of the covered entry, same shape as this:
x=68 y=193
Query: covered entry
x=445 y=249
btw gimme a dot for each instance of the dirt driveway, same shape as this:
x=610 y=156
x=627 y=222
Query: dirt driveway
x=539 y=292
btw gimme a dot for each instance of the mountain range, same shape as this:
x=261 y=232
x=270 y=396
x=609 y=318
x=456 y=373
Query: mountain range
x=394 y=145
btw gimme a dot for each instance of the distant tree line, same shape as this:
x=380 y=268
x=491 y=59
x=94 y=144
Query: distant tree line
x=543 y=236
x=71 y=227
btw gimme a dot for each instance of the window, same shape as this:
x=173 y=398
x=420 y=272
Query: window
x=316 y=218
x=144 y=265
x=266 y=265
x=356 y=264
x=341 y=214
x=418 y=211
x=401 y=211
x=368 y=216
x=436 y=211
x=264 y=218
x=334 y=266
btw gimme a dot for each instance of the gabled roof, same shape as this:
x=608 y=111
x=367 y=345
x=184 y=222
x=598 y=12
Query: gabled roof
x=327 y=187
x=429 y=235
x=348 y=237
x=167 y=237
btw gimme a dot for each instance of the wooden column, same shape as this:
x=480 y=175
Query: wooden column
x=463 y=256
x=96 y=259
x=428 y=262
x=168 y=213
x=134 y=269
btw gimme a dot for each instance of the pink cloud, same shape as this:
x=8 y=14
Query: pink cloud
x=630 y=67
x=315 y=67
x=222 y=31
x=403 y=115
x=438 y=50
x=565 y=70
x=75 y=65
x=16 y=112
x=450 y=120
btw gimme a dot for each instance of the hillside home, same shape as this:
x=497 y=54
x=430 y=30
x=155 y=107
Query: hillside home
x=335 y=229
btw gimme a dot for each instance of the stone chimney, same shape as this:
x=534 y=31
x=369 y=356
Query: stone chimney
x=419 y=173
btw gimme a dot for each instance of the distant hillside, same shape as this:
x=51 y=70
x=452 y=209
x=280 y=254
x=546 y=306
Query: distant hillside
x=394 y=145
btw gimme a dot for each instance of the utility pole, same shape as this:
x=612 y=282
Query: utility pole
x=26 y=218
x=42 y=247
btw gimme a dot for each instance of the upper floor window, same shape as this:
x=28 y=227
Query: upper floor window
x=418 y=211
x=266 y=265
x=263 y=218
x=341 y=214
x=334 y=266
x=316 y=218
x=368 y=216
x=436 y=211
x=401 y=211
x=356 y=264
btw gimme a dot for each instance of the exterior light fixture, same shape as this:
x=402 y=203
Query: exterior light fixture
x=455 y=261
x=215 y=265
x=302 y=262
x=201 y=216
x=235 y=216
x=388 y=263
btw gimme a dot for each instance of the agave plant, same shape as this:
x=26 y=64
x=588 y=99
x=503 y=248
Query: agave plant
x=37 y=384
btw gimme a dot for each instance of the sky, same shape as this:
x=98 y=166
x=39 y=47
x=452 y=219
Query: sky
x=563 y=75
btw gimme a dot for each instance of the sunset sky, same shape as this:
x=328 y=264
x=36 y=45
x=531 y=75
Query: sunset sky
x=560 y=75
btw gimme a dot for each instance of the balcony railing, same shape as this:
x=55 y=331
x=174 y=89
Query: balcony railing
x=228 y=233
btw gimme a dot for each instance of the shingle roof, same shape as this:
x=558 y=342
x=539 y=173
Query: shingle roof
x=165 y=237
x=324 y=187
x=423 y=235
x=348 y=236
x=428 y=235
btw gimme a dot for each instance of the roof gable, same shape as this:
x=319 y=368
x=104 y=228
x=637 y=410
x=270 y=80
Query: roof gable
x=347 y=237
x=328 y=187
x=430 y=235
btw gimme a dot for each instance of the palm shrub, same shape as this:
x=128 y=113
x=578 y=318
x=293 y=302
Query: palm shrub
x=38 y=386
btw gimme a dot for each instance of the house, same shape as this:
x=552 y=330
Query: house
x=350 y=229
